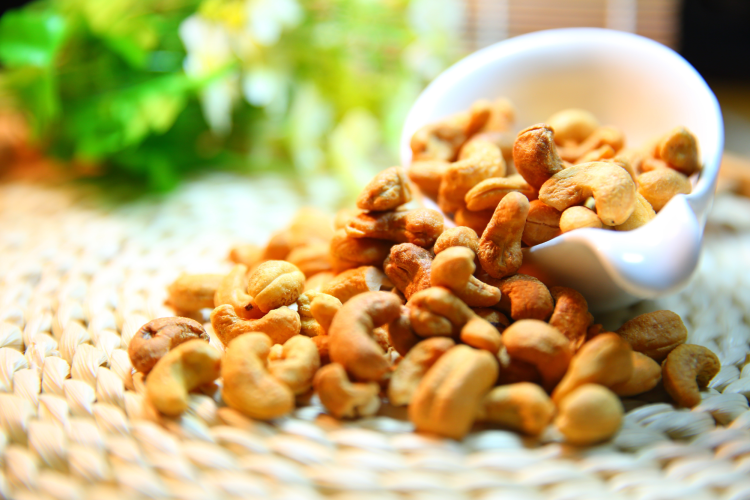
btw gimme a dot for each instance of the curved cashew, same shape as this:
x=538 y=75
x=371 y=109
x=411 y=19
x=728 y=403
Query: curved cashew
x=479 y=160
x=655 y=334
x=605 y=360
x=154 y=339
x=535 y=155
x=311 y=259
x=352 y=344
x=348 y=253
x=354 y=282
x=319 y=280
x=427 y=175
x=409 y=267
x=572 y=125
x=401 y=334
x=571 y=315
x=605 y=152
x=232 y=291
x=522 y=407
x=275 y=283
x=192 y=292
x=461 y=374
x=525 y=297
x=246 y=254
x=513 y=370
x=342 y=398
x=309 y=326
x=578 y=217
x=184 y=368
x=609 y=184
x=297 y=364
x=601 y=137
x=661 y=185
x=680 y=150
x=488 y=193
x=480 y=334
x=421 y=226
x=248 y=386
x=459 y=236
x=646 y=374
x=413 y=367
x=477 y=221
x=323 y=308
x=442 y=140
x=500 y=245
x=436 y=312
x=687 y=369
x=642 y=214
x=542 y=223
x=454 y=269
x=280 y=324
x=387 y=190
x=542 y=345
x=589 y=414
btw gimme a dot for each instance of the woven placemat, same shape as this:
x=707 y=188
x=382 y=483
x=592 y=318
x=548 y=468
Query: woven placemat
x=78 y=276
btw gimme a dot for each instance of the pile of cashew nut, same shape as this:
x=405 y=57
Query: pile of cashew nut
x=384 y=305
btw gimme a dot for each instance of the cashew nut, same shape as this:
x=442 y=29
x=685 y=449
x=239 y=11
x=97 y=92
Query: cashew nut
x=476 y=221
x=437 y=312
x=408 y=267
x=522 y=407
x=459 y=236
x=347 y=252
x=605 y=360
x=478 y=160
x=488 y=193
x=680 y=150
x=513 y=370
x=232 y=291
x=654 y=334
x=401 y=334
x=421 y=226
x=646 y=374
x=319 y=280
x=354 y=282
x=247 y=254
x=497 y=319
x=661 y=185
x=413 y=367
x=589 y=414
x=571 y=315
x=279 y=324
x=542 y=223
x=352 y=344
x=427 y=175
x=642 y=214
x=387 y=190
x=311 y=259
x=454 y=269
x=602 y=136
x=579 y=217
x=687 y=369
x=525 y=297
x=542 y=345
x=480 y=334
x=248 y=386
x=500 y=245
x=342 y=398
x=442 y=140
x=309 y=326
x=572 y=125
x=154 y=339
x=535 y=155
x=323 y=308
x=192 y=292
x=609 y=184
x=184 y=368
x=447 y=399
x=275 y=283
x=297 y=364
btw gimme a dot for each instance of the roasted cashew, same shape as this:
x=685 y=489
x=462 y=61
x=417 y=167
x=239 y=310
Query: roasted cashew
x=535 y=155
x=408 y=267
x=232 y=291
x=279 y=324
x=478 y=160
x=609 y=184
x=646 y=374
x=309 y=225
x=427 y=175
x=601 y=153
x=311 y=259
x=578 y=217
x=192 y=292
x=437 y=312
x=542 y=223
x=605 y=360
x=476 y=221
x=572 y=125
x=589 y=414
x=655 y=334
x=354 y=282
x=401 y=334
x=323 y=308
x=443 y=140
x=488 y=193
x=571 y=315
x=454 y=269
x=297 y=363
x=342 y=398
x=248 y=386
x=447 y=399
x=542 y=345
x=352 y=344
x=459 y=236
x=480 y=334
x=687 y=369
x=410 y=371
x=522 y=407
x=322 y=343
x=387 y=190
x=661 y=185
x=680 y=150
x=247 y=254
x=421 y=226
x=513 y=370
x=500 y=245
x=184 y=368
x=347 y=252
x=525 y=297
x=154 y=339
x=642 y=214
x=309 y=326
x=497 y=319
x=275 y=283
x=602 y=136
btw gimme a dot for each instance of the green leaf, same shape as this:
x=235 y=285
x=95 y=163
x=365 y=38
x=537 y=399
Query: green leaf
x=30 y=38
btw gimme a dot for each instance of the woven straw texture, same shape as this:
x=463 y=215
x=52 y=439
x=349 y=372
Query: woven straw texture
x=79 y=276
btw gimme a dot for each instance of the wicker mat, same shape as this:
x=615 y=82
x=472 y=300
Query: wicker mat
x=79 y=276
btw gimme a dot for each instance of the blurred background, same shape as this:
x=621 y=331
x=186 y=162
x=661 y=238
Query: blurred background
x=150 y=92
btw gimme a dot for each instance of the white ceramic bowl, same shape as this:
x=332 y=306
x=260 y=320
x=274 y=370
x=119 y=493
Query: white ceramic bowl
x=625 y=80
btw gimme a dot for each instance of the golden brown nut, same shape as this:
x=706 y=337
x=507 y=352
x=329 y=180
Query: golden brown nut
x=353 y=282
x=535 y=155
x=232 y=291
x=687 y=369
x=488 y=193
x=342 y=398
x=323 y=309
x=679 y=149
x=296 y=364
x=309 y=325
x=438 y=312
x=454 y=269
x=646 y=374
x=387 y=190
x=661 y=185
x=642 y=214
x=442 y=140
x=525 y=297
x=401 y=334
x=542 y=223
x=477 y=221
x=154 y=339
x=500 y=245
x=412 y=369
x=589 y=414
x=348 y=253
x=409 y=267
x=579 y=217
x=279 y=324
x=603 y=136
x=274 y=284
x=246 y=254
x=521 y=407
x=480 y=334
x=571 y=315
x=478 y=160
x=497 y=319
x=654 y=334
x=459 y=236
x=421 y=226
x=319 y=280
x=447 y=399
x=513 y=370
x=311 y=259
x=542 y=345
x=428 y=175
x=572 y=125
x=192 y=292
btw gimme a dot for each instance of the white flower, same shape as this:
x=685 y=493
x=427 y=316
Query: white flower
x=266 y=87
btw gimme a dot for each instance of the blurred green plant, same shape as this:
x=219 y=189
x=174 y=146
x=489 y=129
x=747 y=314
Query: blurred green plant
x=156 y=89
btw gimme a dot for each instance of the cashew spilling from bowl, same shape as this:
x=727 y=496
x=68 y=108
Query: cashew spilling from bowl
x=588 y=415
x=500 y=245
x=571 y=315
x=443 y=140
x=522 y=407
x=542 y=223
x=154 y=339
x=488 y=193
x=454 y=269
x=421 y=226
x=409 y=268
x=232 y=291
x=535 y=155
x=477 y=161
x=413 y=367
x=438 y=312
x=342 y=398
x=655 y=334
x=525 y=297
x=184 y=368
x=541 y=345
x=687 y=369
x=348 y=253
x=279 y=324
x=354 y=282
x=387 y=190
